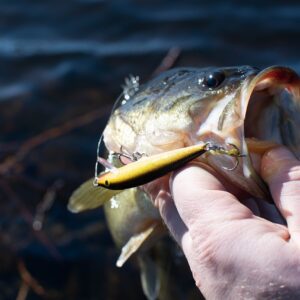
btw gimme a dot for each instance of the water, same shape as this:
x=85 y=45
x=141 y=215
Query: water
x=62 y=59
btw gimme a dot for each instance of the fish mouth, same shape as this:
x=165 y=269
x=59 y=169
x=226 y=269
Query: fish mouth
x=269 y=106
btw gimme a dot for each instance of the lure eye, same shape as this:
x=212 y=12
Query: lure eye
x=213 y=80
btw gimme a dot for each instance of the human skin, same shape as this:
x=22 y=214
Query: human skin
x=237 y=248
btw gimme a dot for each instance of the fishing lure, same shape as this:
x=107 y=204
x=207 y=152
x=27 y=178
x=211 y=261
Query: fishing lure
x=150 y=168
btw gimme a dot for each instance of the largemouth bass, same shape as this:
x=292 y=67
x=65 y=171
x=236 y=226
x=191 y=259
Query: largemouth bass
x=243 y=107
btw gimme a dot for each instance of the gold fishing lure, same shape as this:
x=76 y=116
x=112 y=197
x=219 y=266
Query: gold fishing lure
x=147 y=169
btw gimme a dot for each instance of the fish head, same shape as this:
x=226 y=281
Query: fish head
x=221 y=106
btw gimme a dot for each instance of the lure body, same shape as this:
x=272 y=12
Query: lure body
x=151 y=168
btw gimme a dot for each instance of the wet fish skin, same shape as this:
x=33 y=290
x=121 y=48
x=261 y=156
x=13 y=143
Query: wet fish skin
x=168 y=110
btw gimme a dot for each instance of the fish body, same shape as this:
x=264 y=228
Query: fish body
x=241 y=106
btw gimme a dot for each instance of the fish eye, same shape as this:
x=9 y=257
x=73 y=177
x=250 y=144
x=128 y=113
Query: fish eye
x=213 y=80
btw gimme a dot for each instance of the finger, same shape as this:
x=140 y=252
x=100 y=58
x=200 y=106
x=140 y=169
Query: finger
x=281 y=170
x=161 y=197
x=270 y=212
x=176 y=226
x=170 y=216
x=201 y=198
x=155 y=187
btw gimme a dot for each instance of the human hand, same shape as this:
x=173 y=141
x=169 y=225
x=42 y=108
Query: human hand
x=235 y=250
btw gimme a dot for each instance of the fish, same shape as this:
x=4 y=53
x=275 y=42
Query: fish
x=242 y=108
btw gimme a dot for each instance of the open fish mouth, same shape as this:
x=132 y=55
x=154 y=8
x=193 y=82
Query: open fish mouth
x=265 y=113
x=270 y=106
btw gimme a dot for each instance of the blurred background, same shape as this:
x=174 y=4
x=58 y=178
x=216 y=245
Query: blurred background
x=62 y=64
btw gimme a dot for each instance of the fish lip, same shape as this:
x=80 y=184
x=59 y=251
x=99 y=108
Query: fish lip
x=275 y=76
x=273 y=79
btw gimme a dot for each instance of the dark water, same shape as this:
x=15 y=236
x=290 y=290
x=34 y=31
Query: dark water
x=62 y=59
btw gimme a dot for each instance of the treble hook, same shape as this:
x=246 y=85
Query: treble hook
x=237 y=162
x=124 y=154
x=235 y=152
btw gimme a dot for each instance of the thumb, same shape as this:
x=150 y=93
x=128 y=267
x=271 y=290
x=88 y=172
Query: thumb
x=201 y=198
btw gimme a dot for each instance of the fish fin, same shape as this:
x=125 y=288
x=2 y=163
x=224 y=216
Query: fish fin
x=87 y=196
x=149 y=276
x=134 y=243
